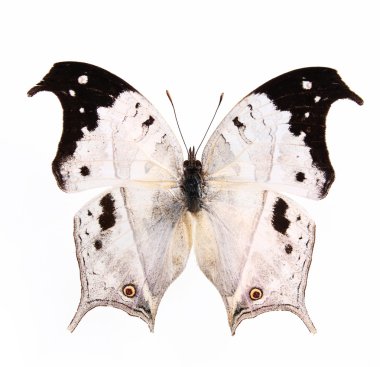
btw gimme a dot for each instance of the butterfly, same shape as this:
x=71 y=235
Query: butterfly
x=254 y=244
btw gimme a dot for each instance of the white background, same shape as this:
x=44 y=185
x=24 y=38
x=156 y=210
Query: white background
x=196 y=49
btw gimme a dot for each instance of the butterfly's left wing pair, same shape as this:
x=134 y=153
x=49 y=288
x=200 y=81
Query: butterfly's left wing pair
x=253 y=244
x=131 y=242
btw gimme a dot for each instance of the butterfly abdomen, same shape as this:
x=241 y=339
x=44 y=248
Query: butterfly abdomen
x=193 y=192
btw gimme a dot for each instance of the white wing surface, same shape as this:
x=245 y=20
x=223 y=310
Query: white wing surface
x=131 y=244
x=275 y=136
x=252 y=243
x=255 y=246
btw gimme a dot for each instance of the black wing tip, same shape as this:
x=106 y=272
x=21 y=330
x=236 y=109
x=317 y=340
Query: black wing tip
x=41 y=86
x=354 y=97
x=350 y=94
x=32 y=91
x=327 y=75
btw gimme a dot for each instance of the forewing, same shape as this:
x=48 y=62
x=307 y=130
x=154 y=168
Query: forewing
x=251 y=241
x=275 y=136
x=131 y=244
x=111 y=133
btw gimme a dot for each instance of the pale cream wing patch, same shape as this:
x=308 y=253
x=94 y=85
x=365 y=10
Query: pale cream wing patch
x=253 y=244
x=111 y=133
x=131 y=244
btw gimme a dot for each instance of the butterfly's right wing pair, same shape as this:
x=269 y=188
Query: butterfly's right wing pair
x=252 y=243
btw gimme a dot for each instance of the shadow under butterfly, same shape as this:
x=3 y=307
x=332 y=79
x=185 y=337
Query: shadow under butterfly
x=254 y=244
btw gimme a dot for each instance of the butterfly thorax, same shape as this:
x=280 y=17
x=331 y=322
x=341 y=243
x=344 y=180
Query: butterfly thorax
x=192 y=182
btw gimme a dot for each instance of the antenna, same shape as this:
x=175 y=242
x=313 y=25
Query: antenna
x=220 y=101
x=175 y=115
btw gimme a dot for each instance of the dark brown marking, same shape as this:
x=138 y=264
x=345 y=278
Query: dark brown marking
x=279 y=222
x=98 y=244
x=300 y=176
x=84 y=171
x=137 y=106
x=237 y=123
x=89 y=213
x=148 y=122
x=288 y=249
x=107 y=219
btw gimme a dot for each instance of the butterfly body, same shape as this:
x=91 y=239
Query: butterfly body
x=253 y=243
x=193 y=182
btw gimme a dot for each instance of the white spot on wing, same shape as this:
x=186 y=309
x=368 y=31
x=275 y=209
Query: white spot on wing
x=72 y=93
x=81 y=110
x=317 y=99
x=307 y=114
x=306 y=84
x=83 y=79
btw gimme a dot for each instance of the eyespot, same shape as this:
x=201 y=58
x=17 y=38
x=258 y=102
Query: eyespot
x=198 y=164
x=255 y=294
x=186 y=163
x=129 y=290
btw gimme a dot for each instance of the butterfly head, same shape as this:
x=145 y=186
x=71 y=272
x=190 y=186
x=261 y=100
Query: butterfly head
x=191 y=164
